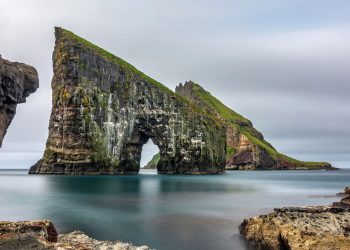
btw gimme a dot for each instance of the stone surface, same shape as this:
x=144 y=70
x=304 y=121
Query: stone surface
x=104 y=111
x=27 y=235
x=79 y=240
x=304 y=228
x=246 y=147
x=345 y=201
x=17 y=82
x=40 y=235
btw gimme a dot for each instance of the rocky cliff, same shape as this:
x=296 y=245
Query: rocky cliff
x=104 y=110
x=17 y=82
x=246 y=146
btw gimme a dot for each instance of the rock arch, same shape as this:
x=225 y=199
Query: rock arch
x=104 y=110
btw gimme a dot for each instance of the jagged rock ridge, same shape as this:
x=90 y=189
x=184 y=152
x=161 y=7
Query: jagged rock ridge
x=17 y=82
x=246 y=146
x=104 y=111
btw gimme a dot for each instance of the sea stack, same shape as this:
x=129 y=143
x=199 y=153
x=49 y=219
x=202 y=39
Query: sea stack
x=246 y=147
x=17 y=82
x=104 y=110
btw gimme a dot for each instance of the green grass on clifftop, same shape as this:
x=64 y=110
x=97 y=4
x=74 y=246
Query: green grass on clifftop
x=127 y=67
x=241 y=123
x=115 y=59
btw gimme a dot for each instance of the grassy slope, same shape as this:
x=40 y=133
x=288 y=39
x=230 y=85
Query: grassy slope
x=152 y=164
x=238 y=121
x=127 y=67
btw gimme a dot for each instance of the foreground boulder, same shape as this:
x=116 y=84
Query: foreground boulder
x=345 y=201
x=17 y=82
x=104 y=110
x=27 y=235
x=42 y=235
x=246 y=147
x=79 y=240
x=300 y=228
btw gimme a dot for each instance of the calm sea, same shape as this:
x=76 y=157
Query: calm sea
x=163 y=212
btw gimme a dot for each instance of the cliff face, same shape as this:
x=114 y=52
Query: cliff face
x=17 y=82
x=246 y=147
x=104 y=110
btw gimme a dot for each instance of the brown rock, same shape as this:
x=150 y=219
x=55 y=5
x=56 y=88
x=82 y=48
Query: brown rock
x=27 y=235
x=299 y=228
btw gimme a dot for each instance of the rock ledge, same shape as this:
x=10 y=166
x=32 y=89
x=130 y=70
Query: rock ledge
x=42 y=235
x=316 y=227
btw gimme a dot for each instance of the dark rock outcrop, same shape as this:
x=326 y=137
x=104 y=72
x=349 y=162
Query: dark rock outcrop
x=42 y=235
x=302 y=228
x=246 y=147
x=17 y=82
x=345 y=201
x=27 y=235
x=104 y=111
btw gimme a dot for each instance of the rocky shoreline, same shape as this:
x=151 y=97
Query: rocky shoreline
x=42 y=235
x=304 y=228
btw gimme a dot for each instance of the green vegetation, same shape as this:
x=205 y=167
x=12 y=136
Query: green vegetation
x=230 y=151
x=127 y=67
x=130 y=69
x=152 y=164
x=244 y=126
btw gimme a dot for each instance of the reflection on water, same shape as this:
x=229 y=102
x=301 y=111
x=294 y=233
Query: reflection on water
x=164 y=212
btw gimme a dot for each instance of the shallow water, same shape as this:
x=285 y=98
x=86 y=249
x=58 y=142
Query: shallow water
x=164 y=212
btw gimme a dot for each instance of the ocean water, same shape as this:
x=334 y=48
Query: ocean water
x=163 y=212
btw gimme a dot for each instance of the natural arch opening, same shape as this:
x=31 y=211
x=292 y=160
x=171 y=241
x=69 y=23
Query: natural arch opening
x=149 y=155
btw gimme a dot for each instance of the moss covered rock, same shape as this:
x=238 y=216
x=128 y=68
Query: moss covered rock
x=246 y=146
x=152 y=164
x=104 y=111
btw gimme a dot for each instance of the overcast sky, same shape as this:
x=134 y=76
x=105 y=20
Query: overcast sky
x=285 y=65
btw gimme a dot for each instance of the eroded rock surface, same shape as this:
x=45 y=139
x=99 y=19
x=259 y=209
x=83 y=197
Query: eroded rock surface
x=27 y=235
x=104 y=111
x=17 y=82
x=301 y=228
x=246 y=147
x=42 y=235
x=79 y=240
x=345 y=201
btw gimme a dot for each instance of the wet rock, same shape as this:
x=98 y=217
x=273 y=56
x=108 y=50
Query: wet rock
x=17 y=82
x=246 y=147
x=104 y=111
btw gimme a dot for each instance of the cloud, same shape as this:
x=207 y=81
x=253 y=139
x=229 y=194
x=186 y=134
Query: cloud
x=284 y=65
